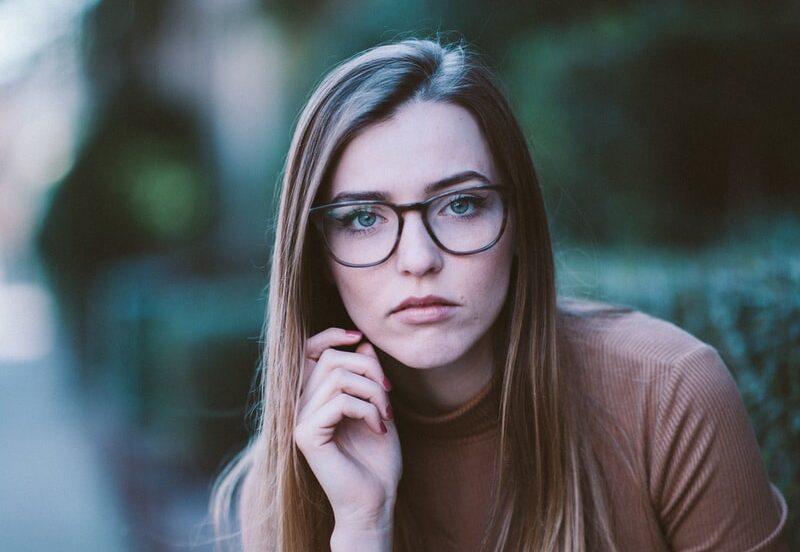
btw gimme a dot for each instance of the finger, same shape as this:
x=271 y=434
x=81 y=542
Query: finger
x=343 y=381
x=331 y=359
x=318 y=428
x=366 y=348
x=319 y=343
x=341 y=406
x=332 y=337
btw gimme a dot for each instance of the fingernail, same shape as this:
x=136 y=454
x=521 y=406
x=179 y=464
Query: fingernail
x=352 y=333
x=383 y=428
x=386 y=384
x=389 y=412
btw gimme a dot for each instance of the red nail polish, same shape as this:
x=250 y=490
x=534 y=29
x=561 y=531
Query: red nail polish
x=383 y=428
x=386 y=384
x=352 y=333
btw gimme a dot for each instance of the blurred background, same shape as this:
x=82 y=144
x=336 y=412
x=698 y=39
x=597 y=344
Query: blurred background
x=140 y=146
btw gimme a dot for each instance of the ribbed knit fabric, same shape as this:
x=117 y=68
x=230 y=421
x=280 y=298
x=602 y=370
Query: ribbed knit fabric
x=672 y=437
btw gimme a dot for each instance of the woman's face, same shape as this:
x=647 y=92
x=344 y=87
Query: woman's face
x=421 y=144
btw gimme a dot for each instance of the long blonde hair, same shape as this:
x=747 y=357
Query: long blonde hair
x=550 y=497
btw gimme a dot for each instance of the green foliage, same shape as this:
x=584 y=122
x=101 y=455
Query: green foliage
x=664 y=112
x=746 y=304
x=163 y=193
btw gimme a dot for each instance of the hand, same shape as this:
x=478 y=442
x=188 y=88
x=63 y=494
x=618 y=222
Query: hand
x=344 y=430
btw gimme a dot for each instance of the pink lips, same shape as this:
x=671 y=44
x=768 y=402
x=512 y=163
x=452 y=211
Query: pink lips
x=421 y=310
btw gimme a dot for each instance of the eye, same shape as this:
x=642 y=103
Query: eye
x=359 y=219
x=364 y=218
x=459 y=206
x=464 y=205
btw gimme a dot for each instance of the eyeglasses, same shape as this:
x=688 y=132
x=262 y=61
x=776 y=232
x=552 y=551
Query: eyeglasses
x=366 y=232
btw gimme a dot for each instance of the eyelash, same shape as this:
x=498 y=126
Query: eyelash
x=475 y=201
x=346 y=221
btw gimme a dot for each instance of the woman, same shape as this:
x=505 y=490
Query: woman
x=423 y=390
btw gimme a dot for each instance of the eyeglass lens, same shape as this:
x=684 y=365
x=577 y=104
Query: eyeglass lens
x=462 y=221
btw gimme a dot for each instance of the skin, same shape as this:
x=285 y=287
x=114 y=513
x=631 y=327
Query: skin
x=436 y=367
x=344 y=425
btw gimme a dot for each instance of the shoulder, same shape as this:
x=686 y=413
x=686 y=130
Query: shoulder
x=626 y=361
x=633 y=366
x=606 y=333
x=664 y=404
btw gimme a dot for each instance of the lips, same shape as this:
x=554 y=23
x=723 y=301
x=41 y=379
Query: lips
x=427 y=301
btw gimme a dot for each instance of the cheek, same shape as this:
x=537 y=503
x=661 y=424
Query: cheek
x=357 y=291
x=494 y=273
x=492 y=286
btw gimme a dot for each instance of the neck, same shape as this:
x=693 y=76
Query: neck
x=443 y=388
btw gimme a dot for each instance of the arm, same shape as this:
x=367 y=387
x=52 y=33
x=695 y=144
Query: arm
x=708 y=481
x=373 y=534
x=340 y=430
x=377 y=539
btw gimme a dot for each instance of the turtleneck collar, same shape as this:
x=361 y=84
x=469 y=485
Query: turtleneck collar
x=474 y=417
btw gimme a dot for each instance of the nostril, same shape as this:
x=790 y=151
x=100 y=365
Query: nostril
x=418 y=258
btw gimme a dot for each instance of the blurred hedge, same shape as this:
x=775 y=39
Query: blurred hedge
x=681 y=116
x=744 y=301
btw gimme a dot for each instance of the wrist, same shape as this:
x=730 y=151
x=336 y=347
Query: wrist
x=364 y=539
x=368 y=534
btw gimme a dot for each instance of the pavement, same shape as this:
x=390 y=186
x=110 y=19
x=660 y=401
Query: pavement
x=55 y=493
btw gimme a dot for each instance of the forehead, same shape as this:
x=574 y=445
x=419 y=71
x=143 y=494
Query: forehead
x=423 y=143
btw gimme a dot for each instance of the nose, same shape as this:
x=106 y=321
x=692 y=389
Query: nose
x=417 y=253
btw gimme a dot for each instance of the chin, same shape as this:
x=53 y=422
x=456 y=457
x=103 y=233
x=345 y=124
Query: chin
x=413 y=355
x=420 y=363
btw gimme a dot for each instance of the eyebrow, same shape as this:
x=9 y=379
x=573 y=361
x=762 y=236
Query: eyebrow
x=431 y=188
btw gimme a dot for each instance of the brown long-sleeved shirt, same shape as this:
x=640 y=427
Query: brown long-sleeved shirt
x=682 y=462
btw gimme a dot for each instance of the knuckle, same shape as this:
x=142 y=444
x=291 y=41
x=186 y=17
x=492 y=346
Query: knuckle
x=375 y=416
x=342 y=401
x=349 y=404
x=337 y=377
x=372 y=413
x=375 y=392
x=374 y=367
x=327 y=358
x=383 y=399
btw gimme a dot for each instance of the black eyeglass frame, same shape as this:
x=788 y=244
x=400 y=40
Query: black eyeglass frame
x=421 y=206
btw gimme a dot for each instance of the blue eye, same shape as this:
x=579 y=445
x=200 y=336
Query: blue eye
x=465 y=206
x=459 y=206
x=364 y=218
x=359 y=220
